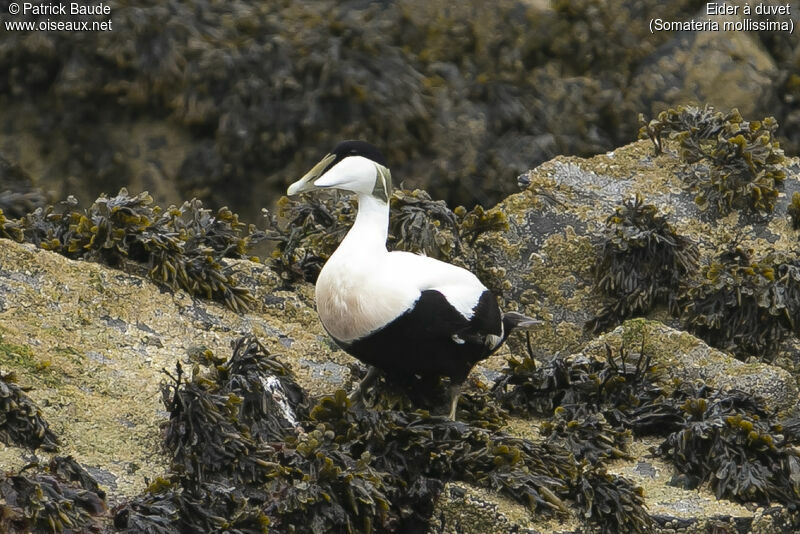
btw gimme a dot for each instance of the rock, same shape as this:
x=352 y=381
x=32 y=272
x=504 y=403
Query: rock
x=724 y=69
x=693 y=511
x=465 y=509
x=681 y=357
x=92 y=343
x=543 y=263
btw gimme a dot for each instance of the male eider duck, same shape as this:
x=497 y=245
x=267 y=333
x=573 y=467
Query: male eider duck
x=399 y=312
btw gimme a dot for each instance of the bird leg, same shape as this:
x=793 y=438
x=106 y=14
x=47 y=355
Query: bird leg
x=357 y=396
x=454 y=390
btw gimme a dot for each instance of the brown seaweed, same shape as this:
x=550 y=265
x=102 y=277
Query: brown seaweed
x=21 y=421
x=49 y=501
x=642 y=262
x=731 y=163
x=180 y=248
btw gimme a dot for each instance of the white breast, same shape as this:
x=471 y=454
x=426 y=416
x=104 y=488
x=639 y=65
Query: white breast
x=357 y=295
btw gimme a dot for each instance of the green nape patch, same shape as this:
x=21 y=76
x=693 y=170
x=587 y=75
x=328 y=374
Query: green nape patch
x=180 y=247
x=314 y=225
x=731 y=163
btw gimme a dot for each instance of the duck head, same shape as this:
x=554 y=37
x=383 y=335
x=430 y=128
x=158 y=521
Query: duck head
x=354 y=166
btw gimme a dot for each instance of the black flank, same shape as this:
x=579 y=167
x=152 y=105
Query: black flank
x=421 y=340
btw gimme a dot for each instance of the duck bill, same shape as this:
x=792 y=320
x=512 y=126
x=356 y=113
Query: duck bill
x=306 y=183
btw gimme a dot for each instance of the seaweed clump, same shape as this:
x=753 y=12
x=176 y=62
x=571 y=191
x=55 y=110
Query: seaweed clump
x=729 y=440
x=471 y=224
x=10 y=229
x=21 y=421
x=166 y=507
x=642 y=261
x=337 y=468
x=594 y=404
x=223 y=436
x=60 y=497
x=428 y=450
x=180 y=248
x=204 y=435
x=725 y=438
x=223 y=424
x=418 y=223
x=737 y=303
x=587 y=434
x=612 y=502
x=243 y=462
x=743 y=304
x=315 y=225
x=271 y=401
x=732 y=163
x=618 y=388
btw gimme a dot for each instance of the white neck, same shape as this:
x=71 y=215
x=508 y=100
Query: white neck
x=371 y=228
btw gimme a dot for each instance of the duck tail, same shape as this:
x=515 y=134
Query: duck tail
x=513 y=320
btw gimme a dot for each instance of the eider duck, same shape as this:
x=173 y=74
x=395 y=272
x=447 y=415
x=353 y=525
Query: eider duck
x=401 y=313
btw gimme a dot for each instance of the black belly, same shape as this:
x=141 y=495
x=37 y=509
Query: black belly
x=421 y=341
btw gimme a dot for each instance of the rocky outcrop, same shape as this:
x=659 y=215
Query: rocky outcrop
x=92 y=342
x=544 y=261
